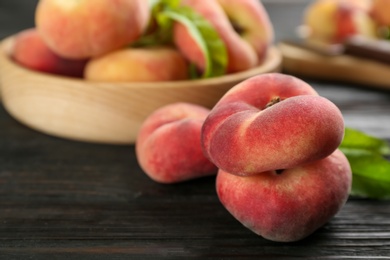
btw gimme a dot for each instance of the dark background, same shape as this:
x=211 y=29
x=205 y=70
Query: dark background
x=16 y=15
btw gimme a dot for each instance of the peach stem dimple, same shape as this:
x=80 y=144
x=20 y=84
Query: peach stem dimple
x=273 y=101
x=237 y=27
x=280 y=171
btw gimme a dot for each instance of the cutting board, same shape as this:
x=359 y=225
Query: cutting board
x=301 y=61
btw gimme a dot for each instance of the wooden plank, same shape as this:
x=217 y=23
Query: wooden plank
x=62 y=199
x=345 y=68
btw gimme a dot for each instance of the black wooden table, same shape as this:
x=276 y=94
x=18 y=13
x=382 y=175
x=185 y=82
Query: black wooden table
x=64 y=199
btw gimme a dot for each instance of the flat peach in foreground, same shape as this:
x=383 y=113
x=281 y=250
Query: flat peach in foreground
x=168 y=146
x=268 y=122
x=288 y=205
x=31 y=51
x=138 y=65
x=84 y=28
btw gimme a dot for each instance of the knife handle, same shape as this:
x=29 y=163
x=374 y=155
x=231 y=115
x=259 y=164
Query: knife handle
x=372 y=49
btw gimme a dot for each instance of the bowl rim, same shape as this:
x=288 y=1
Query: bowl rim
x=271 y=63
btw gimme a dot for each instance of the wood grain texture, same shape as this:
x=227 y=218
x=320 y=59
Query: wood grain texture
x=63 y=199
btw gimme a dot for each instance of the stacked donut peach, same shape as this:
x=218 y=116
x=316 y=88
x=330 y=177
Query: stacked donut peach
x=103 y=40
x=274 y=141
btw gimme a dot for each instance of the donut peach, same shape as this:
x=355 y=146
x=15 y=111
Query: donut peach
x=31 y=51
x=269 y=122
x=84 y=28
x=252 y=23
x=241 y=55
x=288 y=205
x=168 y=145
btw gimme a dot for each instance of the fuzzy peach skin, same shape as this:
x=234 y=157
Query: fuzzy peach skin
x=252 y=23
x=31 y=51
x=138 y=65
x=241 y=55
x=380 y=12
x=168 y=145
x=334 y=21
x=270 y=121
x=288 y=205
x=84 y=28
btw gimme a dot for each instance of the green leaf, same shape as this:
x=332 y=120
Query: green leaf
x=371 y=171
x=160 y=30
x=163 y=4
x=153 y=3
x=359 y=140
x=371 y=174
x=204 y=34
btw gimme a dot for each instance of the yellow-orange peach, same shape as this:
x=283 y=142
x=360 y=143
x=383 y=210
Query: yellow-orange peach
x=270 y=121
x=168 y=146
x=241 y=55
x=31 y=51
x=334 y=21
x=84 y=28
x=138 y=65
x=288 y=205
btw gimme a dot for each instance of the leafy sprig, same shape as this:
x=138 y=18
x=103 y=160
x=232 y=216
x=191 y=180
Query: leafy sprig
x=205 y=36
x=160 y=32
x=367 y=157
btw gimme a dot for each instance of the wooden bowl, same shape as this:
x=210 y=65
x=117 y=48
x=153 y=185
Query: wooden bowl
x=102 y=112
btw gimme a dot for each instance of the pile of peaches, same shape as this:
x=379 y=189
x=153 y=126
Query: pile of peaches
x=145 y=41
x=272 y=143
x=334 y=21
x=271 y=140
